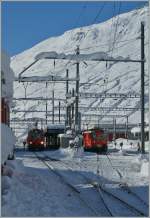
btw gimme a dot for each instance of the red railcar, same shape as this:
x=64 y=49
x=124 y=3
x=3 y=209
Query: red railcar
x=95 y=139
x=36 y=139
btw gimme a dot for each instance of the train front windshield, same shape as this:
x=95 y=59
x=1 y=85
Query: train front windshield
x=36 y=133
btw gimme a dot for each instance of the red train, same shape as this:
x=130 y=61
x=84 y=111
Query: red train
x=95 y=139
x=36 y=139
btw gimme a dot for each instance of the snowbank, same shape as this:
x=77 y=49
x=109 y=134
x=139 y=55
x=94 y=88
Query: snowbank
x=7 y=142
x=145 y=169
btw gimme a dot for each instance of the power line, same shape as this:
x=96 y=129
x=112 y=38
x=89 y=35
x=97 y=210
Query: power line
x=96 y=17
x=112 y=19
x=105 y=44
x=77 y=21
x=116 y=27
x=81 y=13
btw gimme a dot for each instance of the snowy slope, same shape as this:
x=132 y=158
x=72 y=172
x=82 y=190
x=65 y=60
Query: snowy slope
x=120 y=34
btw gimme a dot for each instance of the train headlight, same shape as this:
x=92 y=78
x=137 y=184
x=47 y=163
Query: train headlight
x=30 y=143
x=42 y=142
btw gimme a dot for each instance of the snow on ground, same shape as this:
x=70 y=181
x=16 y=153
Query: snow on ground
x=33 y=190
x=8 y=141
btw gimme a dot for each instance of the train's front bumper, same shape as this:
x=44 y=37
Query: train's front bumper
x=35 y=145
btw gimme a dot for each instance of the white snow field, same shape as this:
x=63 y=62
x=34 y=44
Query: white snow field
x=99 y=78
x=35 y=190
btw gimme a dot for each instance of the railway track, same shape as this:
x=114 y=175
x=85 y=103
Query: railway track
x=76 y=190
x=122 y=185
x=105 y=192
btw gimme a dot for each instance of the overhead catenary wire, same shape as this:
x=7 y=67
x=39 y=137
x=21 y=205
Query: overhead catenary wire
x=100 y=44
x=94 y=20
x=111 y=27
x=76 y=23
x=105 y=44
x=116 y=28
x=89 y=30
x=128 y=22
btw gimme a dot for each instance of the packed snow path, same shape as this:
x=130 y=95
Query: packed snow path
x=128 y=202
x=37 y=191
x=41 y=193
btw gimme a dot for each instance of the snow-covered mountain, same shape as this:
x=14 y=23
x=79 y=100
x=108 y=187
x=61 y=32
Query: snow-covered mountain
x=119 y=36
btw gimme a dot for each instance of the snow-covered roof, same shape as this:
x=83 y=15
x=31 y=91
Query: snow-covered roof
x=66 y=135
x=138 y=129
x=55 y=126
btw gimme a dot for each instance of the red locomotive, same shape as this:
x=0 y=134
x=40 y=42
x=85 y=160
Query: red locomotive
x=95 y=139
x=36 y=139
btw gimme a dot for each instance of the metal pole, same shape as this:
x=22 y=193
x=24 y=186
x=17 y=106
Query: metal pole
x=142 y=89
x=53 y=106
x=69 y=113
x=77 y=95
x=67 y=89
x=59 y=111
x=46 y=104
x=127 y=129
x=72 y=107
x=70 y=116
x=114 y=134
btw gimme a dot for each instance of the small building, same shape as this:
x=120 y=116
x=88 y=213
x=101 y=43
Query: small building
x=136 y=132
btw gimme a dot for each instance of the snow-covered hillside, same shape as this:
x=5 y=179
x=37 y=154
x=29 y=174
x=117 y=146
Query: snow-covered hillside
x=119 y=36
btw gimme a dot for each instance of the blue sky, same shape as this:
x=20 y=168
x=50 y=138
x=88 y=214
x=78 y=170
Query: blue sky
x=24 y=24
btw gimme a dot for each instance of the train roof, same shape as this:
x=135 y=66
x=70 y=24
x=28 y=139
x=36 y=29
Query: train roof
x=92 y=129
x=55 y=128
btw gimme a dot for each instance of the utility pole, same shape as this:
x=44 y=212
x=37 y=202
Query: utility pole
x=72 y=117
x=142 y=89
x=79 y=120
x=46 y=104
x=67 y=89
x=77 y=95
x=59 y=111
x=127 y=129
x=114 y=132
x=69 y=113
x=53 y=106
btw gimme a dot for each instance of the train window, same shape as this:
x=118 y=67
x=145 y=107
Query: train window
x=94 y=135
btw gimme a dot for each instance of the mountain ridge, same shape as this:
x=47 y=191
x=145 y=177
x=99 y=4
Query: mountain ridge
x=122 y=37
